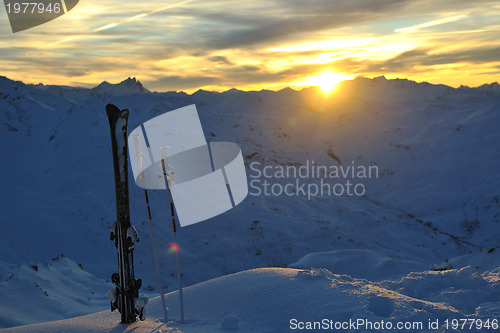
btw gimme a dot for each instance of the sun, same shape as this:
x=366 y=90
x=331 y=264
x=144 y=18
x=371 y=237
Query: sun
x=327 y=81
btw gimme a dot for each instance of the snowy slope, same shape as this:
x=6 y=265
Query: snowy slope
x=277 y=299
x=435 y=204
x=33 y=293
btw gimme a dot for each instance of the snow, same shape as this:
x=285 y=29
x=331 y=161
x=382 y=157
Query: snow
x=267 y=299
x=40 y=290
x=360 y=263
x=435 y=205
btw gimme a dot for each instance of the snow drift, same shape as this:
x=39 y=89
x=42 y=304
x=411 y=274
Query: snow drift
x=282 y=300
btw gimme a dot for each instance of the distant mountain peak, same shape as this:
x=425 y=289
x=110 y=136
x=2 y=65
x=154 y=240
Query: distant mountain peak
x=128 y=86
x=232 y=90
x=491 y=86
x=202 y=92
x=132 y=83
x=129 y=79
x=5 y=80
x=287 y=90
x=103 y=84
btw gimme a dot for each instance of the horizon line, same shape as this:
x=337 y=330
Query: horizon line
x=297 y=89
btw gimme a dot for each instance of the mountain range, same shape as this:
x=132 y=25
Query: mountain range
x=434 y=203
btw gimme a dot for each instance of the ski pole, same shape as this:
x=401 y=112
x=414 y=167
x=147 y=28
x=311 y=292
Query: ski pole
x=172 y=212
x=155 y=256
x=139 y=155
x=179 y=276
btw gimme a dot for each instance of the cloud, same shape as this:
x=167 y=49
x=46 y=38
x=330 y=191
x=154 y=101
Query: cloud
x=193 y=44
x=410 y=60
x=220 y=59
x=299 y=18
x=432 y=23
x=177 y=82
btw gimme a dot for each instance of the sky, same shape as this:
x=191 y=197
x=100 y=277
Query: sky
x=252 y=45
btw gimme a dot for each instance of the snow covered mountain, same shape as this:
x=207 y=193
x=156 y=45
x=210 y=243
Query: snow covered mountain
x=434 y=205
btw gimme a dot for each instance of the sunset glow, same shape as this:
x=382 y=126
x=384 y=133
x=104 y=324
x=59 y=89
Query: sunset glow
x=327 y=81
x=194 y=44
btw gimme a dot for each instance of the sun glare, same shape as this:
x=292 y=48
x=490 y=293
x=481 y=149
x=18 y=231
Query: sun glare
x=327 y=81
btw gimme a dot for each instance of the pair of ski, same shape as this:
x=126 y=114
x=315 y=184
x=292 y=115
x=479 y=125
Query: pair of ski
x=125 y=297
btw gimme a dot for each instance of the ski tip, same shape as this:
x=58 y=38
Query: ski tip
x=114 y=113
x=112 y=108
